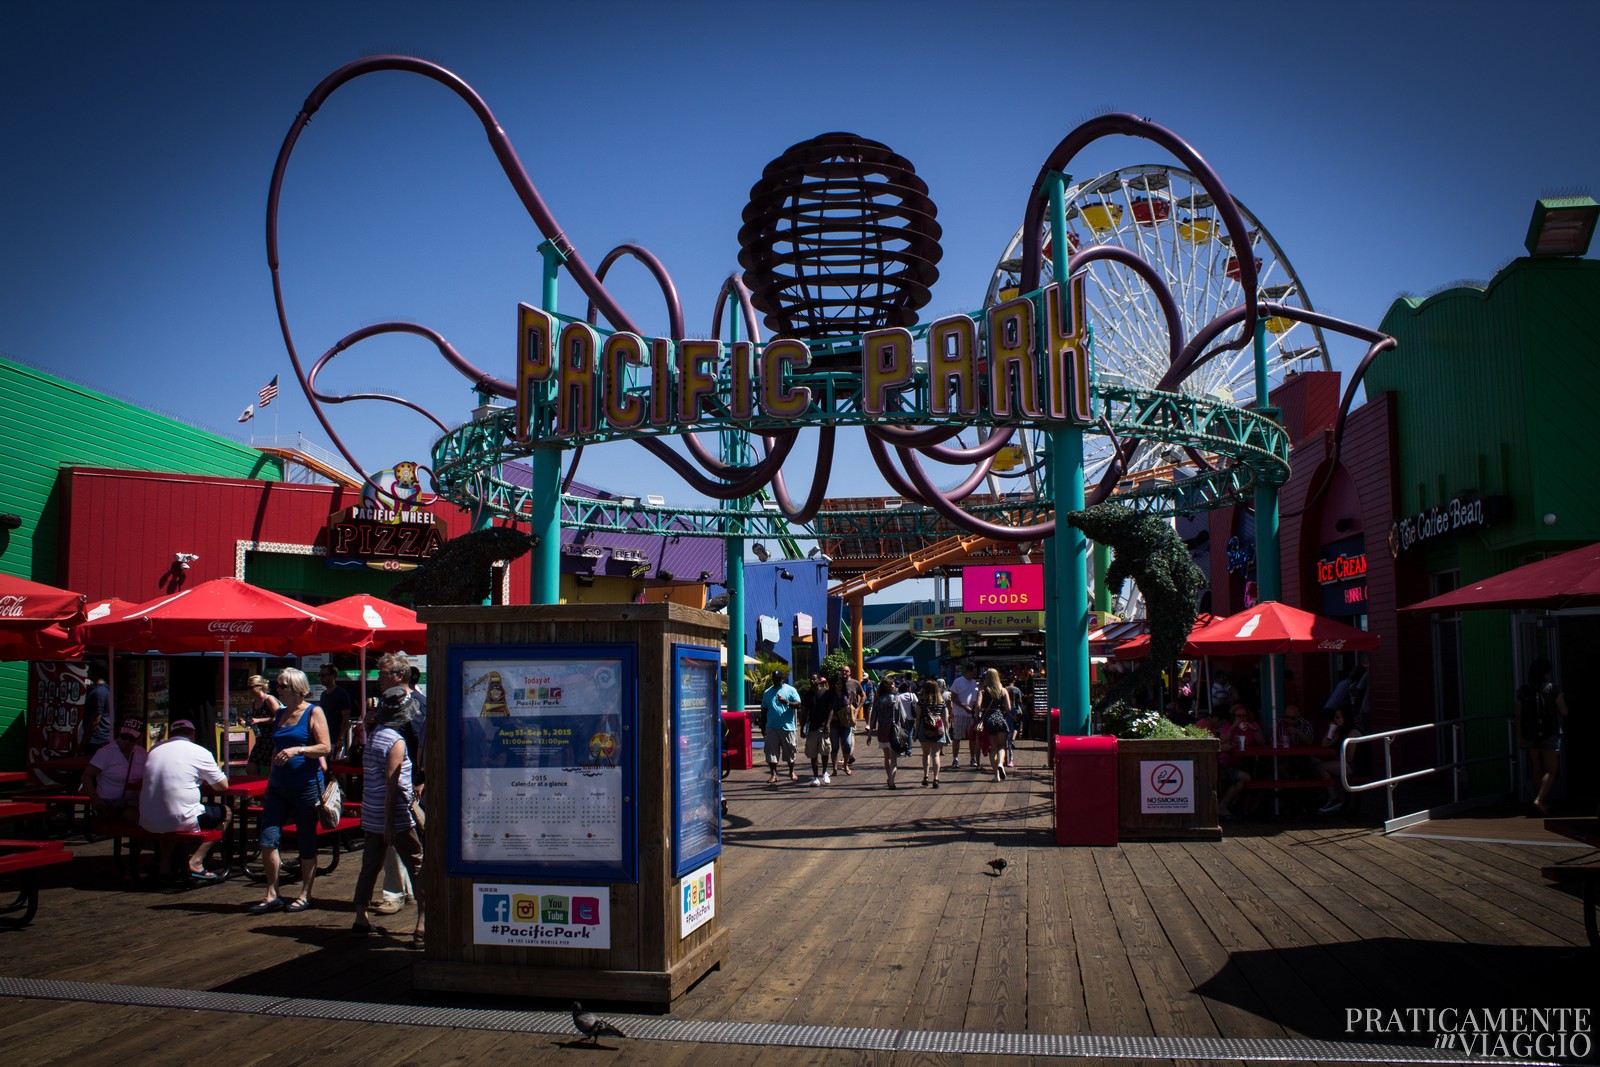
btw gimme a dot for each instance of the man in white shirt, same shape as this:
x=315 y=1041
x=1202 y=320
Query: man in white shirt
x=116 y=773
x=169 y=800
x=964 y=691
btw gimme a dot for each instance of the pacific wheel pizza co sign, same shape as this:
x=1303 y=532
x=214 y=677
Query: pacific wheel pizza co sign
x=1166 y=787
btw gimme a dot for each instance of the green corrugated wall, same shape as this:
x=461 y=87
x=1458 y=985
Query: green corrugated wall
x=1498 y=391
x=47 y=423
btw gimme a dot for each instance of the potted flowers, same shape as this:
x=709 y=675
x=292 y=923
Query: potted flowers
x=1166 y=777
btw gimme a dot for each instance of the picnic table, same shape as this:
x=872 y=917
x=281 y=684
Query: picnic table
x=25 y=859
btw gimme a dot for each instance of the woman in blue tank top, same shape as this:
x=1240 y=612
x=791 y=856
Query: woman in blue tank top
x=299 y=742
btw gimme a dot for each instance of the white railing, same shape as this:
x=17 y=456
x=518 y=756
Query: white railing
x=299 y=443
x=1457 y=765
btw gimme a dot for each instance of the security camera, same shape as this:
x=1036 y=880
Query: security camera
x=184 y=559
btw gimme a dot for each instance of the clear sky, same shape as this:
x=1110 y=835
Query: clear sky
x=1388 y=147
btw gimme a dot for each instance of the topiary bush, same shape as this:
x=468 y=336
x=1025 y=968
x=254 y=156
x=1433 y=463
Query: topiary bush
x=1150 y=552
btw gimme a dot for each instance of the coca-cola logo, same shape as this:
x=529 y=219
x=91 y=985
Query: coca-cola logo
x=11 y=606
x=234 y=626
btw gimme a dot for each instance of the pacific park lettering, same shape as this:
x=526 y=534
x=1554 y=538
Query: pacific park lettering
x=1030 y=362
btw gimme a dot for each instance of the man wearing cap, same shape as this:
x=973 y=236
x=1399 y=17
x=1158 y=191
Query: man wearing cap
x=115 y=774
x=169 y=800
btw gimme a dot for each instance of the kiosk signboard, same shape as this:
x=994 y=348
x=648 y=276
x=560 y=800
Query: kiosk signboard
x=696 y=757
x=543 y=758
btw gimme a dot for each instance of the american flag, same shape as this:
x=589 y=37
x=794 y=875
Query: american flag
x=269 y=392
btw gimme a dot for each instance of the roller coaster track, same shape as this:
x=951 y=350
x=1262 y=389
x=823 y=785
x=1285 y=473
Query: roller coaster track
x=911 y=565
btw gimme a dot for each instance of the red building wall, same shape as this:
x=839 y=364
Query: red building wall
x=121 y=529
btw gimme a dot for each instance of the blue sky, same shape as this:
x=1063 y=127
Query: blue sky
x=1388 y=147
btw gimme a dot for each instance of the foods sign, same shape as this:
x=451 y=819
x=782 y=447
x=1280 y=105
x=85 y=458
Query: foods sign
x=1015 y=588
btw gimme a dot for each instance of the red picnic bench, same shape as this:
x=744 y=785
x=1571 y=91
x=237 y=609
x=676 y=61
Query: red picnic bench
x=137 y=835
x=24 y=859
x=11 y=810
x=253 y=868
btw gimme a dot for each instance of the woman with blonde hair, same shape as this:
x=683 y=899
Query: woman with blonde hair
x=300 y=741
x=994 y=718
x=263 y=713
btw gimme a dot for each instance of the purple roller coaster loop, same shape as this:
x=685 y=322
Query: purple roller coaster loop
x=748 y=479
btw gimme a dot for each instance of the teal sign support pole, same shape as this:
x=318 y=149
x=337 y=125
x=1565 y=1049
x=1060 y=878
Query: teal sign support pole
x=545 y=519
x=733 y=447
x=1269 y=577
x=1067 y=629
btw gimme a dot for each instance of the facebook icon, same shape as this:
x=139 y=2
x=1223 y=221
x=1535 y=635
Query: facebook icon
x=496 y=907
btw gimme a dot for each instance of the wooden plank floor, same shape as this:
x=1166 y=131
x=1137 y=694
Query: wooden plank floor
x=851 y=905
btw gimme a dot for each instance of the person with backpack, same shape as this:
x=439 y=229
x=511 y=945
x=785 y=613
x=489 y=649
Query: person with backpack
x=1541 y=711
x=847 y=698
x=932 y=729
x=890 y=724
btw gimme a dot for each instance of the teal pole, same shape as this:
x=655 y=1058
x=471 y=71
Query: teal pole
x=1067 y=629
x=1052 y=602
x=545 y=517
x=733 y=554
x=1269 y=576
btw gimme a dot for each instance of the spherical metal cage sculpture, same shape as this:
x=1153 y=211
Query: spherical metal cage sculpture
x=839 y=238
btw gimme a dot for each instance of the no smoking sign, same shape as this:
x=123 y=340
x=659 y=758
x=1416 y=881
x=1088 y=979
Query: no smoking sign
x=1166 y=787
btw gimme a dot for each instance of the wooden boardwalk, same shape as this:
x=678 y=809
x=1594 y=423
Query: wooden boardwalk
x=853 y=906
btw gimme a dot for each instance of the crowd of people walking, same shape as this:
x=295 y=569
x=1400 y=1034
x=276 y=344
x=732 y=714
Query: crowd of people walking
x=904 y=714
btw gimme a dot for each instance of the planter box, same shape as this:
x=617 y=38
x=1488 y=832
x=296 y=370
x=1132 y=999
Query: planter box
x=1167 y=790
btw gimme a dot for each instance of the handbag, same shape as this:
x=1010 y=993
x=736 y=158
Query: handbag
x=331 y=806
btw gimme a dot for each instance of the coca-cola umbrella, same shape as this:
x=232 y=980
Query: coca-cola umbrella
x=1271 y=627
x=221 y=615
x=36 y=620
x=394 y=628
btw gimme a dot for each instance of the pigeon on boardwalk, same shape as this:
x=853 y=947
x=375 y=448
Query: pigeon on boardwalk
x=999 y=865
x=591 y=1025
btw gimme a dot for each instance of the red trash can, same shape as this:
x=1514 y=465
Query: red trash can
x=740 y=755
x=1086 y=790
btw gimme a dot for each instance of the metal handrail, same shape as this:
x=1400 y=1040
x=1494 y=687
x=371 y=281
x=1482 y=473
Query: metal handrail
x=1457 y=762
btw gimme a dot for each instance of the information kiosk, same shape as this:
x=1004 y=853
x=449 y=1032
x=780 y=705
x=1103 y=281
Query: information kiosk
x=574 y=830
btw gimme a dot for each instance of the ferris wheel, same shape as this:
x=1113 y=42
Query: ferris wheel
x=1163 y=215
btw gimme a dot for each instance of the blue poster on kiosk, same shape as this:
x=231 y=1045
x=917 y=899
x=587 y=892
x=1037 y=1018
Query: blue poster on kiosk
x=696 y=757
x=544 y=760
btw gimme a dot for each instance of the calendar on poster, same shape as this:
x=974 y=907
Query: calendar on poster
x=542 y=752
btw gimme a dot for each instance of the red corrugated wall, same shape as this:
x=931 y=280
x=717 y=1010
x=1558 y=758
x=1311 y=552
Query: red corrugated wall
x=121 y=529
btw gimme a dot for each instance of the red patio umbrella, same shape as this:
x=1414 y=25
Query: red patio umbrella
x=1139 y=647
x=1272 y=627
x=36 y=620
x=394 y=628
x=1569 y=580
x=221 y=615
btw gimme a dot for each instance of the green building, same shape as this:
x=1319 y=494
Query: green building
x=1496 y=394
